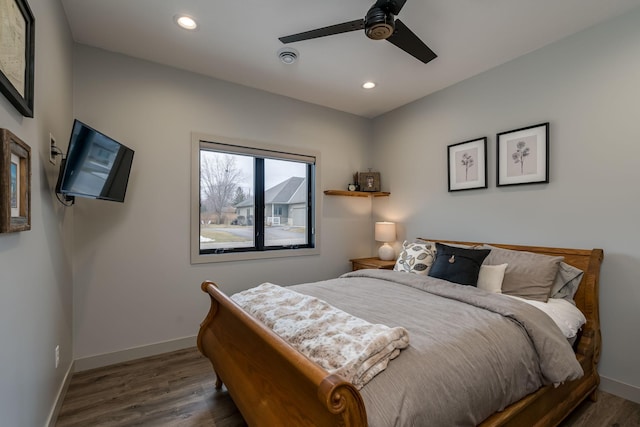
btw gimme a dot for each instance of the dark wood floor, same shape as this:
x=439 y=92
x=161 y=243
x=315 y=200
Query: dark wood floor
x=177 y=389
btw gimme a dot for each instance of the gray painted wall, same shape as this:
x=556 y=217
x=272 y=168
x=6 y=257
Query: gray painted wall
x=35 y=265
x=133 y=283
x=587 y=87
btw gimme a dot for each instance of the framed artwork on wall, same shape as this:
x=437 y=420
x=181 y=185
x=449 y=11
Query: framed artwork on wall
x=523 y=155
x=15 y=183
x=467 y=165
x=16 y=54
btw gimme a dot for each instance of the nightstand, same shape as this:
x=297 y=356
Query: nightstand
x=374 y=262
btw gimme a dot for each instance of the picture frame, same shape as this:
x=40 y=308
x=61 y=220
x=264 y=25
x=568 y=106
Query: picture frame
x=523 y=156
x=17 y=31
x=369 y=181
x=15 y=183
x=467 y=165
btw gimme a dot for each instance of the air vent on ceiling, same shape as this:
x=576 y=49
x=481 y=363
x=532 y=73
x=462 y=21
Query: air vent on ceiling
x=288 y=55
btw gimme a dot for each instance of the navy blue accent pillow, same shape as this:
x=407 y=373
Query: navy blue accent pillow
x=458 y=265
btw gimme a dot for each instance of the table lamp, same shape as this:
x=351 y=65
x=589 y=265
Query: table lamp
x=386 y=232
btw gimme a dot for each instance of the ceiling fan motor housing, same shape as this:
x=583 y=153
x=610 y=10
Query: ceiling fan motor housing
x=379 y=24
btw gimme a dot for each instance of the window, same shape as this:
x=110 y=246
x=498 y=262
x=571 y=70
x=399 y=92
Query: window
x=251 y=201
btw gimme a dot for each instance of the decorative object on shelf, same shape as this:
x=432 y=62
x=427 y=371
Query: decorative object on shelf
x=352 y=187
x=15 y=183
x=385 y=232
x=523 y=155
x=16 y=55
x=467 y=165
x=369 y=181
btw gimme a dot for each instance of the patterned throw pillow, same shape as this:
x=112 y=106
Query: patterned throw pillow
x=415 y=258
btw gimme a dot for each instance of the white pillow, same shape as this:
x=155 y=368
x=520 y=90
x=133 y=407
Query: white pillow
x=490 y=277
x=566 y=315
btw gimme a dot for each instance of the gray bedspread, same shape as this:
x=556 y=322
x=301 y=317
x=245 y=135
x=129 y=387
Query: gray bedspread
x=472 y=353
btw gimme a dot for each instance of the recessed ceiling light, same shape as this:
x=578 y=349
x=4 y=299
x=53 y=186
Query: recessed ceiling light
x=368 y=85
x=186 y=22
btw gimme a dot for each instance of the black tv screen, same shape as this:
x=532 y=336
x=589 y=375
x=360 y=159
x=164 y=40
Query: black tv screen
x=96 y=166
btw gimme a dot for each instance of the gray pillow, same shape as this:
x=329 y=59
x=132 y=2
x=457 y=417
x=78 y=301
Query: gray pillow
x=528 y=275
x=566 y=282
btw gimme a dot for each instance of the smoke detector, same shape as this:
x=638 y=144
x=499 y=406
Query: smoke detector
x=288 y=55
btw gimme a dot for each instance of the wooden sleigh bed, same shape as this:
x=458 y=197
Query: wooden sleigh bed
x=273 y=384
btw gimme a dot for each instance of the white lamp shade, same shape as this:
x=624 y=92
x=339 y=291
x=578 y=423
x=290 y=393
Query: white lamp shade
x=385 y=231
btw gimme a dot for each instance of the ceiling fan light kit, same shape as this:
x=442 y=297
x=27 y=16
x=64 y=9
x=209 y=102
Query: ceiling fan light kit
x=379 y=24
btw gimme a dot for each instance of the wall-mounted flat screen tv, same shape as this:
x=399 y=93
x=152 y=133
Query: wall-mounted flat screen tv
x=96 y=166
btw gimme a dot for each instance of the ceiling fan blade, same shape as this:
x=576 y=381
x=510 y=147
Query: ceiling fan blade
x=393 y=6
x=406 y=40
x=345 y=27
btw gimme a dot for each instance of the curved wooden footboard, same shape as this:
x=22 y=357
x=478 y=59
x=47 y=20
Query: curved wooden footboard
x=272 y=383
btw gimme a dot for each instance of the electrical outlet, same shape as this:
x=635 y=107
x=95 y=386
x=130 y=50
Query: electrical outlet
x=57 y=356
x=52 y=148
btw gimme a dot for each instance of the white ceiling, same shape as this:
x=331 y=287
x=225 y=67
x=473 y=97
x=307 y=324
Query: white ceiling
x=237 y=41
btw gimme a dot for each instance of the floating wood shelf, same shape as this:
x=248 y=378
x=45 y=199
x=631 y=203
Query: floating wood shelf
x=356 y=193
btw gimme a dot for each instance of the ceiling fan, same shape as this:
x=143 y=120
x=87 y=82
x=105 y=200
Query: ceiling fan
x=378 y=24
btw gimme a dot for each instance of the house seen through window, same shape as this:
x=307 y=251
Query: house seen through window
x=254 y=200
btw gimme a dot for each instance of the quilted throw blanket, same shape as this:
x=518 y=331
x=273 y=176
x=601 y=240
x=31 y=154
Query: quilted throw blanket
x=337 y=341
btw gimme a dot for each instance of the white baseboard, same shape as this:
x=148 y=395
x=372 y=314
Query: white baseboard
x=107 y=359
x=623 y=390
x=53 y=416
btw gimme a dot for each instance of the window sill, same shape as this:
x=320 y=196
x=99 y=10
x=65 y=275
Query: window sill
x=197 y=258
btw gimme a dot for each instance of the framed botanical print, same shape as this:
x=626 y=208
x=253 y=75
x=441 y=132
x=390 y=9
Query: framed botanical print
x=523 y=155
x=467 y=165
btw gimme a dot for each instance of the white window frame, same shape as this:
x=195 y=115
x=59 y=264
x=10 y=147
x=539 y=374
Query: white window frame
x=197 y=140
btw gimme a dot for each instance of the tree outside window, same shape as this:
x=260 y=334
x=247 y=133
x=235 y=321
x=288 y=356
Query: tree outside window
x=232 y=185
